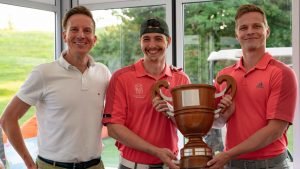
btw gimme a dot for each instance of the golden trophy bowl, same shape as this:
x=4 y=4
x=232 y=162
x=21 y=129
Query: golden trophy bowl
x=194 y=111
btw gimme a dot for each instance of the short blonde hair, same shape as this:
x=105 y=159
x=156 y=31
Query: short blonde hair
x=250 y=8
x=77 y=10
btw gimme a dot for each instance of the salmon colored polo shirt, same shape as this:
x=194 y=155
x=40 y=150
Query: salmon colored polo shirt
x=268 y=91
x=129 y=102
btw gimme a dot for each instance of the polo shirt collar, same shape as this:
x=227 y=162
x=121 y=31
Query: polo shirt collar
x=65 y=64
x=140 y=70
x=264 y=61
x=262 y=64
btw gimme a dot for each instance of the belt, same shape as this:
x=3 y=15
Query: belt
x=79 y=165
x=266 y=163
x=134 y=165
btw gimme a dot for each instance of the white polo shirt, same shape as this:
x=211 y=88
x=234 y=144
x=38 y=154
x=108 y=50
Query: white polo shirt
x=69 y=107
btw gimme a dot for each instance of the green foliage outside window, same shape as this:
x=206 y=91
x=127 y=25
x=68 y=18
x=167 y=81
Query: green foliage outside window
x=119 y=45
x=212 y=23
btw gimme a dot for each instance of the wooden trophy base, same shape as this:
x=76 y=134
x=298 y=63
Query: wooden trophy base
x=195 y=157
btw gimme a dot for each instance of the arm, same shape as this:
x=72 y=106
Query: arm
x=9 y=122
x=225 y=103
x=130 y=139
x=263 y=137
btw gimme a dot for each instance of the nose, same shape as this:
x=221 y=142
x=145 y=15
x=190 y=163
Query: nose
x=250 y=30
x=80 y=34
x=152 y=43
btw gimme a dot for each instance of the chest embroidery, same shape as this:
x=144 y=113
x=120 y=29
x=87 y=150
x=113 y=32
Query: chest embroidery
x=260 y=85
x=139 y=91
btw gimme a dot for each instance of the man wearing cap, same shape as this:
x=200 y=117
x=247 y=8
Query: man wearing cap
x=146 y=136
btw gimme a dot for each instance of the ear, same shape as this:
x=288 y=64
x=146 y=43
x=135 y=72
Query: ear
x=95 y=39
x=236 y=36
x=235 y=33
x=169 y=40
x=64 y=35
x=268 y=31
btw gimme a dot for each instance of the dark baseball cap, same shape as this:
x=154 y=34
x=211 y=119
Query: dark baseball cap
x=154 y=25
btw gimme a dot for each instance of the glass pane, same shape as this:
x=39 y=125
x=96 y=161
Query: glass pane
x=209 y=33
x=209 y=26
x=118 y=34
x=118 y=46
x=27 y=39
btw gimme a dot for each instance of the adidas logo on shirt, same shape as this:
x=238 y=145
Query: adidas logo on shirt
x=260 y=85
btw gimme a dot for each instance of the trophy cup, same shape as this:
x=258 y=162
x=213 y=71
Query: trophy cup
x=194 y=111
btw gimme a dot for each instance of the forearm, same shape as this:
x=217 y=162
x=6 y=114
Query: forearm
x=222 y=118
x=130 y=139
x=14 y=135
x=260 y=139
x=219 y=123
x=9 y=122
x=225 y=110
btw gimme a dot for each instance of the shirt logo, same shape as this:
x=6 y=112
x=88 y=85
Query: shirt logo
x=139 y=90
x=260 y=85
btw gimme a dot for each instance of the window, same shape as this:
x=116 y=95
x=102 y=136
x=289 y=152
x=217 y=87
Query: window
x=196 y=40
x=119 y=46
x=209 y=27
x=118 y=34
x=26 y=41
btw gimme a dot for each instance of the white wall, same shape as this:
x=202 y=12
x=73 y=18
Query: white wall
x=296 y=66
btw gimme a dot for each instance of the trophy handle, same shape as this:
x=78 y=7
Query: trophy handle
x=156 y=91
x=231 y=84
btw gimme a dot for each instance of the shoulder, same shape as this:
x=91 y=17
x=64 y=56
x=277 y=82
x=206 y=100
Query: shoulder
x=281 y=72
x=102 y=67
x=45 y=67
x=278 y=64
x=99 y=64
x=178 y=72
x=120 y=77
x=123 y=71
x=280 y=67
x=228 y=69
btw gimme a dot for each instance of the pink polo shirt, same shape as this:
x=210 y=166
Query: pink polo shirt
x=268 y=91
x=129 y=102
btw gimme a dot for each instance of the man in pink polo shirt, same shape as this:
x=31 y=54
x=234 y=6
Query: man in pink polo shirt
x=264 y=103
x=146 y=136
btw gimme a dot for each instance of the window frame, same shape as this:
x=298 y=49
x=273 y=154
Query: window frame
x=61 y=6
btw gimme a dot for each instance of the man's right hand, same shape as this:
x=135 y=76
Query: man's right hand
x=162 y=106
x=167 y=157
x=33 y=167
x=227 y=104
x=30 y=163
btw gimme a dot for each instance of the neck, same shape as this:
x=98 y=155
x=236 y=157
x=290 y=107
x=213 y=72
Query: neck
x=79 y=61
x=154 y=68
x=252 y=57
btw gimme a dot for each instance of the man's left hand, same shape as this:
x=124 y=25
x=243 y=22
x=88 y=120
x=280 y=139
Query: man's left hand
x=219 y=161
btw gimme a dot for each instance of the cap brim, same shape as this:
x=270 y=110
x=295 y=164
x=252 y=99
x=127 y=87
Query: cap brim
x=154 y=30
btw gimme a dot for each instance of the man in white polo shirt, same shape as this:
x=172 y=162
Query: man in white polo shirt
x=68 y=95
